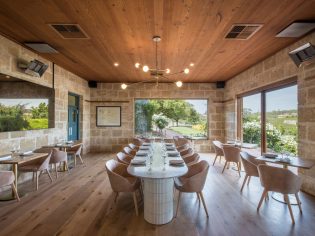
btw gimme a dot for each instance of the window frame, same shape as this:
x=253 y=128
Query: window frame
x=262 y=91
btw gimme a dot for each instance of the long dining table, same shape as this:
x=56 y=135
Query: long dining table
x=157 y=174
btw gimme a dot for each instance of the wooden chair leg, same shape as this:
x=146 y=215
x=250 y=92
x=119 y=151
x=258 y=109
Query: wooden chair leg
x=224 y=166
x=238 y=168
x=33 y=178
x=80 y=159
x=56 y=170
x=298 y=201
x=49 y=175
x=75 y=160
x=248 y=180
x=216 y=156
x=261 y=199
x=36 y=175
x=204 y=203
x=286 y=198
x=15 y=192
x=116 y=196
x=244 y=182
x=178 y=200
x=135 y=201
x=198 y=196
x=67 y=167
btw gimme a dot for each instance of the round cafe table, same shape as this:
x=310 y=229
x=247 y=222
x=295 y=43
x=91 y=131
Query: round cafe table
x=158 y=187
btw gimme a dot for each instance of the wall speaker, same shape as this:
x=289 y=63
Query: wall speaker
x=92 y=84
x=220 y=84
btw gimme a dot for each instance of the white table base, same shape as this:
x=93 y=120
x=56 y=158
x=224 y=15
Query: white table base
x=158 y=200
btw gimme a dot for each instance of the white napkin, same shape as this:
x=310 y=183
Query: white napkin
x=137 y=162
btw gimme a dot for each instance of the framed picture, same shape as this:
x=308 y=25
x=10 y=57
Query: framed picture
x=108 y=116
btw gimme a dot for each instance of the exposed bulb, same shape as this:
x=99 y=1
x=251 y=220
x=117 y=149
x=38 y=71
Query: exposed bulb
x=186 y=71
x=179 y=84
x=167 y=71
x=137 y=65
x=191 y=64
x=116 y=64
x=123 y=86
x=145 y=68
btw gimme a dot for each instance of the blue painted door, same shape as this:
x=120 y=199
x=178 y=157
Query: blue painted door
x=73 y=118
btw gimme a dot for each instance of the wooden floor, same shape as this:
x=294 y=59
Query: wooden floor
x=81 y=203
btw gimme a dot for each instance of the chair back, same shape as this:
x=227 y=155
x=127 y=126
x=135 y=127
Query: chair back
x=187 y=151
x=79 y=149
x=183 y=147
x=194 y=180
x=43 y=163
x=129 y=151
x=145 y=140
x=181 y=142
x=192 y=159
x=133 y=146
x=249 y=164
x=58 y=156
x=137 y=141
x=279 y=179
x=218 y=148
x=124 y=158
x=6 y=178
x=231 y=153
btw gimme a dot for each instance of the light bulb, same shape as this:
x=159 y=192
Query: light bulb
x=145 y=68
x=116 y=64
x=167 y=71
x=137 y=65
x=191 y=64
x=179 y=84
x=123 y=86
x=186 y=71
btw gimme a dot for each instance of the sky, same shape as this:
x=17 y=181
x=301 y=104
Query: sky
x=199 y=105
x=29 y=102
x=282 y=99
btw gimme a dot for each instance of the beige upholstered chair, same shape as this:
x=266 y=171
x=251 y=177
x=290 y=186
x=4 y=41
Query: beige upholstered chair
x=124 y=158
x=133 y=146
x=129 y=151
x=145 y=140
x=76 y=152
x=218 y=150
x=59 y=157
x=137 y=141
x=232 y=154
x=193 y=182
x=36 y=166
x=250 y=164
x=121 y=181
x=183 y=147
x=191 y=159
x=280 y=180
x=7 y=179
x=187 y=152
x=181 y=142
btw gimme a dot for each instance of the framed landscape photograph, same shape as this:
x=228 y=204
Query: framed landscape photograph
x=108 y=116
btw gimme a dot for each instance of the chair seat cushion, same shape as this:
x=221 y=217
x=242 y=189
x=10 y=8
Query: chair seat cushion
x=6 y=178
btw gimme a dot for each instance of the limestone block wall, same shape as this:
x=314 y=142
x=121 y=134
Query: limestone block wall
x=279 y=67
x=112 y=139
x=65 y=81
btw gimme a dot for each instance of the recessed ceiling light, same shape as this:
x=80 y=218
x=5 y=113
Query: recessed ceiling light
x=186 y=71
x=167 y=71
x=191 y=64
x=123 y=86
x=116 y=64
x=145 y=68
x=179 y=84
x=137 y=65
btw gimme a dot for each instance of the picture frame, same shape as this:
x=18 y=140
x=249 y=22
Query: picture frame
x=108 y=116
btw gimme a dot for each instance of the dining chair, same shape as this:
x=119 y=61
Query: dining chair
x=59 y=157
x=121 y=181
x=129 y=151
x=145 y=140
x=181 y=142
x=250 y=164
x=124 y=158
x=38 y=165
x=7 y=179
x=232 y=154
x=191 y=159
x=280 y=180
x=76 y=152
x=218 y=150
x=183 y=147
x=137 y=141
x=133 y=146
x=193 y=182
x=186 y=152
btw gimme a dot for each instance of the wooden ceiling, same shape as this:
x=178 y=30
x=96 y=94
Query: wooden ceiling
x=121 y=31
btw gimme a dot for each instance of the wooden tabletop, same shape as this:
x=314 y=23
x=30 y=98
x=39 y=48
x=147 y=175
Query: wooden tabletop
x=294 y=161
x=22 y=159
x=64 y=145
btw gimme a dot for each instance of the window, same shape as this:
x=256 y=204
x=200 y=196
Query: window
x=167 y=118
x=269 y=119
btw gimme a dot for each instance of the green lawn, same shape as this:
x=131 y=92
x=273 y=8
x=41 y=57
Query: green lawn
x=38 y=123
x=185 y=130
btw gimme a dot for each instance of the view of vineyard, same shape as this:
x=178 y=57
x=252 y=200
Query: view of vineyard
x=168 y=118
x=281 y=120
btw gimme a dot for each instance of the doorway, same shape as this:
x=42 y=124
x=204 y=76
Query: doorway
x=73 y=116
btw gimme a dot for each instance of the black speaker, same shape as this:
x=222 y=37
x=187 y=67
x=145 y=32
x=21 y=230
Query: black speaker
x=220 y=84
x=92 y=84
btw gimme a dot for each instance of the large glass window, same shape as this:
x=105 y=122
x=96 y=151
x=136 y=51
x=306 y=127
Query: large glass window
x=269 y=120
x=168 y=118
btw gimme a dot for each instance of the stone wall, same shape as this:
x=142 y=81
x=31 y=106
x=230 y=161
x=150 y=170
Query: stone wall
x=273 y=69
x=113 y=139
x=10 y=54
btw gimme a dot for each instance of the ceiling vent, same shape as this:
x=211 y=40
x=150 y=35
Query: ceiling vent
x=69 y=31
x=41 y=47
x=243 y=31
